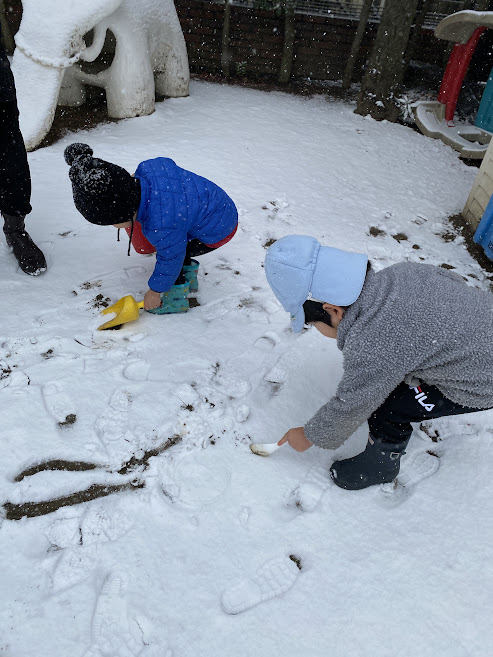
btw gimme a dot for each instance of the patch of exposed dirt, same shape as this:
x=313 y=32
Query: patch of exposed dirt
x=34 y=509
x=296 y=560
x=56 y=464
x=5 y=371
x=69 y=421
x=89 y=285
x=464 y=230
x=433 y=434
x=92 y=113
x=448 y=236
x=100 y=301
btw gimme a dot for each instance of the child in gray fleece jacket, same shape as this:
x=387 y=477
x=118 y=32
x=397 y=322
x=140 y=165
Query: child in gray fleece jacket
x=417 y=344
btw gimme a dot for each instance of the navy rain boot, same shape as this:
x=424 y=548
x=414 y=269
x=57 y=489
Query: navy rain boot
x=378 y=464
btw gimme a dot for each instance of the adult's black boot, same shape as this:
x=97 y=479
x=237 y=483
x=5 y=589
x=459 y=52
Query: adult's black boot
x=30 y=257
x=378 y=464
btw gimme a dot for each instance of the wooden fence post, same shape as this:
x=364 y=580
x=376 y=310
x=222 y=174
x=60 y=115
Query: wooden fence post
x=8 y=40
x=358 y=38
x=288 y=46
x=225 y=52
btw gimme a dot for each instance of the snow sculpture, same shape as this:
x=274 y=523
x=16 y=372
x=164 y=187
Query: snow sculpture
x=150 y=56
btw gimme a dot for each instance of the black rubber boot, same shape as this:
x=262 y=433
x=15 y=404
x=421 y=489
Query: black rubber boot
x=30 y=258
x=378 y=464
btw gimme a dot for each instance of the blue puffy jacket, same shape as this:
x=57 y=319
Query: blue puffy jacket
x=177 y=206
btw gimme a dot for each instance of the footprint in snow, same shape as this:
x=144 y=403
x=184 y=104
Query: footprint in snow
x=267 y=342
x=199 y=479
x=242 y=413
x=120 y=401
x=112 y=427
x=63 y=533
x=419 y=467
x=113 y=633
x=280 y=371
x=100 y=525
x=310 y=491
x=273 y=579
x=244 y=516
x=137 y=370
x=231 y=385
x=217 y=309
x=58 y=404
x=11 y=377
x=73 y=567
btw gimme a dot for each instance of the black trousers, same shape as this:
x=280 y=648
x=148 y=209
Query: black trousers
x=194 y=248
x=15 y=179
x=392 y=420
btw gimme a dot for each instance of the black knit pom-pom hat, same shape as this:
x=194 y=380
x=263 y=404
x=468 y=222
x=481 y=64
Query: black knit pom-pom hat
x=104 y=193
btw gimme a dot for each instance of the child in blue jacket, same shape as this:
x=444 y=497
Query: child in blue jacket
x=181 y=214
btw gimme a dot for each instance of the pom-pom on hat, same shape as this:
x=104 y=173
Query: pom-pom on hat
x=298 y=268
x=104 y=193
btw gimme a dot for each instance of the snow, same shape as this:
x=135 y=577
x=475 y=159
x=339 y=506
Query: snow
x=151 y=570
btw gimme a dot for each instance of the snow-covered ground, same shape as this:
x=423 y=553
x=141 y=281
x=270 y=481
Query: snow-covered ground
x=203 y=525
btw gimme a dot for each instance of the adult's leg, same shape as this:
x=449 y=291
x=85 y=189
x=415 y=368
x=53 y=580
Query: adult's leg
x=390 y=431
x=15 y=179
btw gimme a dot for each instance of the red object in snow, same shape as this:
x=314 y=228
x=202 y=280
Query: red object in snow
x=139 y=242
x=455 y=72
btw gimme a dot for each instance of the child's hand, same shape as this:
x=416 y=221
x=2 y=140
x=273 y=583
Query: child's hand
x=296 y=439
x=152 y=300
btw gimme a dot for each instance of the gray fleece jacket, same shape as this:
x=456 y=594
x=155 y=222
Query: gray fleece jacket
x=413 y=323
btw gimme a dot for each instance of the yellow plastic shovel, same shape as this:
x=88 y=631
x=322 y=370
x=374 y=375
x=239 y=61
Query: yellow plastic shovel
x=127 y=310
